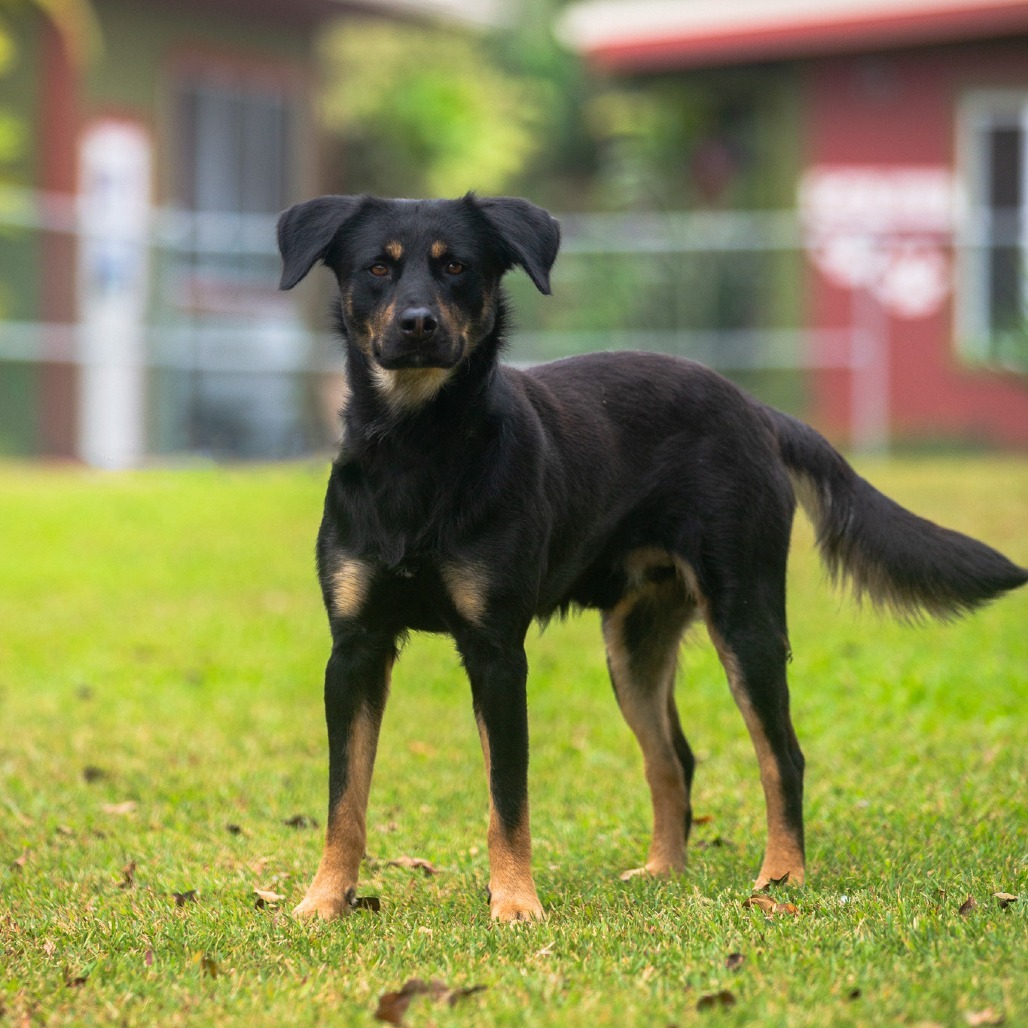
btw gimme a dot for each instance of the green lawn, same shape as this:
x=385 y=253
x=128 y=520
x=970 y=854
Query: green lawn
x=161 y=649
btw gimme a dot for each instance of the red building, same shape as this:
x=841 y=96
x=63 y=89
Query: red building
x=911 y=126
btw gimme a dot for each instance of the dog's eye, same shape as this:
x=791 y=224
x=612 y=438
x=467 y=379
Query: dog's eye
x=454 y=268
x=379 y=270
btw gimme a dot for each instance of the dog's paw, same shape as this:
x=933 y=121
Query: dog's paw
x=324 y=904
x=653 y=869
x=516 y=907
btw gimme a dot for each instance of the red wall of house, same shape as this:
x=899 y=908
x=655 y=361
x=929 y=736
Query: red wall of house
x=899 y=109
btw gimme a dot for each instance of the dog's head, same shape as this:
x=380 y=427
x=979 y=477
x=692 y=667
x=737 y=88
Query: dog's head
x=418 y=279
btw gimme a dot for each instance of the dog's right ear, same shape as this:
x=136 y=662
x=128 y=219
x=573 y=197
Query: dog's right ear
x=306 y=231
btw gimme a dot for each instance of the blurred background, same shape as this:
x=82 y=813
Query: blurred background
x=827 y=201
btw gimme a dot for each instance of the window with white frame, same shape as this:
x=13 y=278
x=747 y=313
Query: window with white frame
x=992 y=298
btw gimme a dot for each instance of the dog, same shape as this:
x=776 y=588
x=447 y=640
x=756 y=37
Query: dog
x=471 y=498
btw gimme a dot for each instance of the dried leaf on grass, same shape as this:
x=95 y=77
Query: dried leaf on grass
x=716 y=843
x=18 y=864
x=91 y=773
x=1005 y=899
x=415 y=864
x=265 y=897
x=983 y=1017
x=734 y=961
x=182 y=898
x=148 y=958
x=967 y=906
x=719 y=1000
x=393 y=1005
x=74 y=981
x=126 y=807
x=208 y=965
x=128 y=875
x=300 y=821
x=769 y=906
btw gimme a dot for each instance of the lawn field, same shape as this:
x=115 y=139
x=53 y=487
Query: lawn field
x=162 y=756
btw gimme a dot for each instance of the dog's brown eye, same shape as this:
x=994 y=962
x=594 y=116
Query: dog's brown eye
x=379 y=270
x=454 y=268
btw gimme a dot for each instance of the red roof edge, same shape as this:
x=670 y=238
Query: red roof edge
x=805 y=39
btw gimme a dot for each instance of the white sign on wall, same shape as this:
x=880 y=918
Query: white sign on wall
x=113 y=275
x=884 y=229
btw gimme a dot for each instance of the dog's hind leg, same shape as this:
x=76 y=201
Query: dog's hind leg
x=356 y=687
x=750 y=637
x=642 y=635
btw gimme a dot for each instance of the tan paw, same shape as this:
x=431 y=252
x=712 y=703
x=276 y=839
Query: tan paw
x=326 y=904
x=515 y=907
x=654 y=869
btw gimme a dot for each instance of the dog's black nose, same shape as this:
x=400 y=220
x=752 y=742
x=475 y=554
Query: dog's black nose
x=417 y=323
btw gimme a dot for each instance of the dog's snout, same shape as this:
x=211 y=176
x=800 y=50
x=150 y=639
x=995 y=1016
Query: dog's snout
x=417 y=323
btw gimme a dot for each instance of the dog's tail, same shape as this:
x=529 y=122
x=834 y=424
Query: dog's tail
x=896 y=559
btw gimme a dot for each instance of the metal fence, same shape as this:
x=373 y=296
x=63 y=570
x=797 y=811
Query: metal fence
x=182 y=334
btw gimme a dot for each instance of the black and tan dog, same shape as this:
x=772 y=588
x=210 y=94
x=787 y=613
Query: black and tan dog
x=471 y=498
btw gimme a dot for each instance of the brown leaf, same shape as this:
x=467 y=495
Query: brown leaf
x=209 y=966
x=716 y=843
x=983 y=1017
x=126 y=807
x=1005 y=899
x=300 y=821
x=64 y=830
x=770 y=906
x=703 y=819
x=49 y=948
x=233 y=829
x=182 y=898
x=967 y=906
x=393 y=1005
x=722 y=999
x=266 y=897
x=128 y=875
x=18 y=864
x=734 y=961
x=148 y=958
x=74 y=981
x=415 y=864
x=91 y=773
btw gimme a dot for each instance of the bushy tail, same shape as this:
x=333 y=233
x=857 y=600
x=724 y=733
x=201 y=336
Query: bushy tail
x=896 y=559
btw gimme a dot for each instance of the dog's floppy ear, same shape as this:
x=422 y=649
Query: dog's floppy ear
x=530 y=235
x=306 y=231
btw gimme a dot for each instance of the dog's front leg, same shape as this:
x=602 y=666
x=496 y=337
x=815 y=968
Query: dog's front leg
x=356 y=687
x=498 y=673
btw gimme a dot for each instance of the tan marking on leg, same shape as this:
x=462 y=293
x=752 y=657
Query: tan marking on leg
x=350 y=582
x=467 y=588
x=512 y=895
x=394 y=249
x=645 y=709
x=409 y=388
x=331 y=892
x=784 y=853
x=439 y=249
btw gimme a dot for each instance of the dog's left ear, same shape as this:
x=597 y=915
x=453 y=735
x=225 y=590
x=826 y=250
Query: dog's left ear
x=306 y=231
x=530 y=235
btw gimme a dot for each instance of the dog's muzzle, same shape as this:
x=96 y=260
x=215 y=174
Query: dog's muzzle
x=417 y=340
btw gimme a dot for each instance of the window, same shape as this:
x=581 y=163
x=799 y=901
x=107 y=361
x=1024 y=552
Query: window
x=992 y=307
x=233 y=142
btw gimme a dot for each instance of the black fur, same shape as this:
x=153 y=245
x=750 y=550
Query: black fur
x=643 y=485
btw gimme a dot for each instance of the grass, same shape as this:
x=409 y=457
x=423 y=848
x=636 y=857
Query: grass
x=161 y=649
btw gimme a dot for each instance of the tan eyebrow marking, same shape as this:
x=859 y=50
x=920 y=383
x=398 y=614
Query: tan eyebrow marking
x=438 y=249
x=394 y=249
